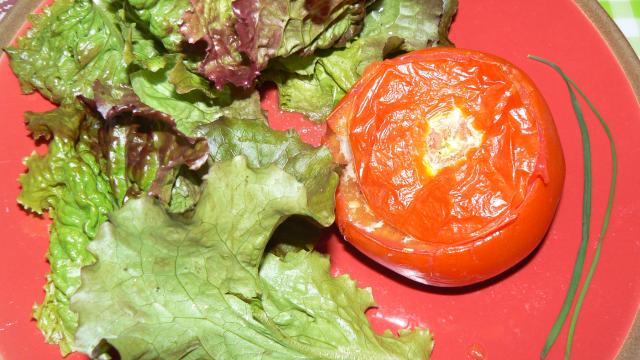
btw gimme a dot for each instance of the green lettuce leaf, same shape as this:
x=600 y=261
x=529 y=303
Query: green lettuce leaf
x=195 y=274
x=303 y=301
x=263 y=146
x=161 y=18
x=92 y=164
x=67 y=182
x=168 y=287
x=345 y=20
x=70 y=45
x=184 y=81
x=192 y=108
x=313 y=86
x=186 y=190
x=73 y=44
x=140 y=49
x=190 y=99
x=243 y=35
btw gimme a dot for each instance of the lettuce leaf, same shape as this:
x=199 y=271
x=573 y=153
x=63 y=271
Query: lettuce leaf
x=186 y=190
x=92 y=163
x=305 y=302
x=143 y=148
x=172 y=287
x=313 y=86
x=243 y=35
x=67 y=182
x=70 y=45
x=190 y=109
x=161 y=18
x=74 y=44
x=190 y=276
x=263 y=146
x=194 y=273
x=299 y=26
x=190 y=99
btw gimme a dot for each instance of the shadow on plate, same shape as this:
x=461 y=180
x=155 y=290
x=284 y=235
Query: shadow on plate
x=326 y=243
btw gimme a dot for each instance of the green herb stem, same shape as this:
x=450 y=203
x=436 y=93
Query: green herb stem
x=605 y=222
x=586 y=219
x=586 y=216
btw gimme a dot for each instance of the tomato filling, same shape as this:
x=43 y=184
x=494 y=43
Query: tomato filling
x=444 y=149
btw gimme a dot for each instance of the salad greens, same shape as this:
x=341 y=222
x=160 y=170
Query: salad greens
x=314 y=85
x=263 y=147
x=243 y=35
x=143 y=147
x=71 y=45
x=168 y=192
x=161 y=19
x=197 y=282
x=67 y=182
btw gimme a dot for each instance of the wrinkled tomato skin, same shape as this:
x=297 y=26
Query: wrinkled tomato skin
x=463 y=262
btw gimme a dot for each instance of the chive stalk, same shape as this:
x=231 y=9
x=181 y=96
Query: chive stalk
x=605 y=222
x=586 y=216
x=586 y=220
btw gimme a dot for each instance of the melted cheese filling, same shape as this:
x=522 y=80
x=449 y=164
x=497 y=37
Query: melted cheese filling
x=451 y=135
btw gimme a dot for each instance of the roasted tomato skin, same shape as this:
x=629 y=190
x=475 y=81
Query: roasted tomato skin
x=457 y=261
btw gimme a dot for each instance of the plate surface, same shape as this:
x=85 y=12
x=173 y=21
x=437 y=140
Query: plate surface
x=505 y=318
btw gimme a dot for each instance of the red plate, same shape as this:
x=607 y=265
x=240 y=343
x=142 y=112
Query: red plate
x=505 y=318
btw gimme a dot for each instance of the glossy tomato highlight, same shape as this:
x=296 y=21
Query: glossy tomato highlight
x=453 y=167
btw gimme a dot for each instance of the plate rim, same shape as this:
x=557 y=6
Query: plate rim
x=14 y=19
x=628 y=60
x=622 y=51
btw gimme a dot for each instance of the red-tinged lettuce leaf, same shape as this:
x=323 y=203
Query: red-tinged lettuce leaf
x=243 y=35
x=142 y=147
x=212 y=21
x=254 y=21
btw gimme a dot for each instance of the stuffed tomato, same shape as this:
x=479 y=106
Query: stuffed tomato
x=453 y=168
